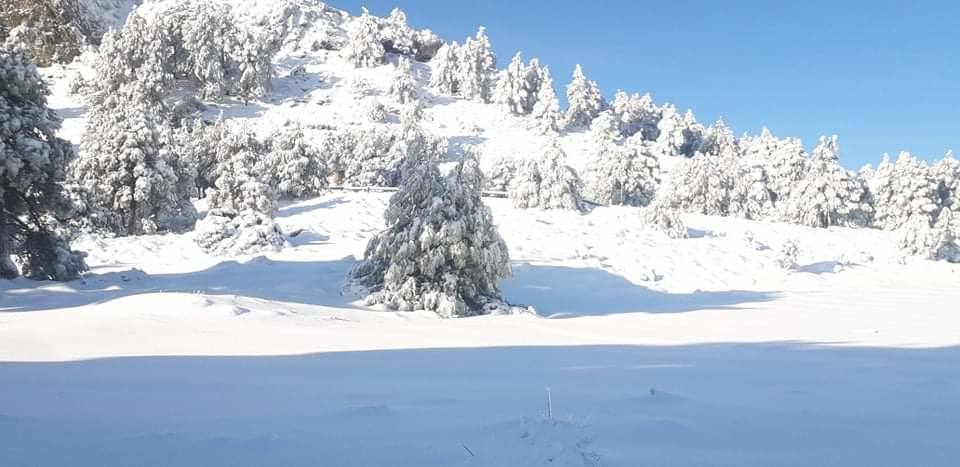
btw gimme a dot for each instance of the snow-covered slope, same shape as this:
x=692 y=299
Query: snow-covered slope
x=664 y=352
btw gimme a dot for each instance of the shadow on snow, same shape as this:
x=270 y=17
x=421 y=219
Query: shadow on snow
x=566 y=292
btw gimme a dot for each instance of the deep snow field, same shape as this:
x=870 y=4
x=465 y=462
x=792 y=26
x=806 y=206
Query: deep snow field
x=694 y=352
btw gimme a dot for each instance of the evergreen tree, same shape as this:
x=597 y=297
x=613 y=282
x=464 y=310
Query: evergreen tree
x=701 y=184
x=32 y=170
x=404 y=86
x=622 y=175
x=441 y=251
x=446 y=65
x=293 y=167
x=903 y=192
x=478 y=67
x=547 y=182
x=511 y=91
x=636 y=115
x=254 y=68
x=546 y=111
x=584 y=99
x=828 y=195
x=947 y=174
x=129 y=186
x=364 y=48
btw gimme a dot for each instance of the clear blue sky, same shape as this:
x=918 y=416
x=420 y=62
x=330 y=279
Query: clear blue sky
x=884 y=75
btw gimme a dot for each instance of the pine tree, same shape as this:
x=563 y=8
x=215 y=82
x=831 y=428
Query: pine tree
x=903 y=192
x=32 y=171
x=621 y=175
x=446 y=65
x=441 y=251
x=828 y=195
x=364 y=48
x=947 y=173
x=254 y=68
x=701 y=184
x=546 y=111
x=636 y=115
x=404 y=86
x=511 y=91
x=130 y=188
x=584 y=99
x=478 y=68
x=547 y=182
x=293 y=167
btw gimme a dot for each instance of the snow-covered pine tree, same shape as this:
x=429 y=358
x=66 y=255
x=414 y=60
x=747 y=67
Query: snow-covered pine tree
x=441 y=251
x=584 y=100
x=828 y=194
x=294 y=168
x=783 y=162
x=364 y=48
x=32 y=170
x=547 y=182
x=678 y=135
x=242 y=207
x=546 y=109
x=902 y=192
x=605 y=130
x=500 y=174
x=397 y=36
x=404 y=86
x=254 y=67
x=211 y=42
x=947 y=173
x=129 y=186
x=445 y=66
x=478 y=68
x=623 y=175
x=701 y=184
x=511 y=91
x=636 y=115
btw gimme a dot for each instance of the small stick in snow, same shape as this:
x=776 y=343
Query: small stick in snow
x=549 y=405
x=468 y=450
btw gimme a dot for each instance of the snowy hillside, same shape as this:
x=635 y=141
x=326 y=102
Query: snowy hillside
x=678 y=295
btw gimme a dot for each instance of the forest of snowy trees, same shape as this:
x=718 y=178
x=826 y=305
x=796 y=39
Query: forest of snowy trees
x=148 y=155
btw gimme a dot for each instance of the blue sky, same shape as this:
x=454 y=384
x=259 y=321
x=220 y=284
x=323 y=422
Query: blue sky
x=883 y=75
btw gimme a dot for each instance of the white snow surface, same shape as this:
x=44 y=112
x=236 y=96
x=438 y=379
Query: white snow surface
x=692 y=352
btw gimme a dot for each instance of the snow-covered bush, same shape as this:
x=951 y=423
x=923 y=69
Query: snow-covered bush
x=788 y=255
x=228 y=232
x=242 y=207
x=584 y=99
x=364 y=48
x=666 y=220
x=32 y=171
x=128 y=180
x=828 y=194
x=547 y=182
x=622 y=175
x=441 y=251
x=375 y=110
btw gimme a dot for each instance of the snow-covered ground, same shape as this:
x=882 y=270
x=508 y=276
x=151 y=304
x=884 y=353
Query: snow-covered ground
x=656 y=351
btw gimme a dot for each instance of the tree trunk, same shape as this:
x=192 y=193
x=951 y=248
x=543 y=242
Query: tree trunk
x=8 y=270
